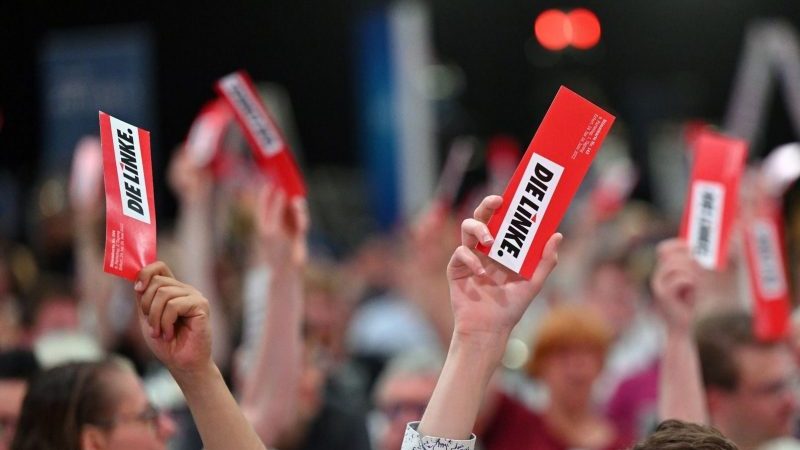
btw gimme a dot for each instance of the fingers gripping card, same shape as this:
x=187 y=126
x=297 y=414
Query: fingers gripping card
x=130 y=208
x=540 y=191
x=713 y=197
x=270 y=148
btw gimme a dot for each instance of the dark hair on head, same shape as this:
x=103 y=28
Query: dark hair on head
x=677 y=435
x=18 y=365
x=718 y=338
x=62 y=400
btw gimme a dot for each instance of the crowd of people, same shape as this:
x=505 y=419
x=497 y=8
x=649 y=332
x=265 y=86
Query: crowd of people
x=248 y=337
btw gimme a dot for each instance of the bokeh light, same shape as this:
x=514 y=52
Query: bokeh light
x=553 y=30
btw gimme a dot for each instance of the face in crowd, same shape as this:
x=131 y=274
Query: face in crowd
x=402 y=399
x=568 y=354
x=102 y=405
x=763 y=404
x=750 y=384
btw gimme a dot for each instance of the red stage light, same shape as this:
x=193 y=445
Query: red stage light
x=585 y=28
x=553 y=29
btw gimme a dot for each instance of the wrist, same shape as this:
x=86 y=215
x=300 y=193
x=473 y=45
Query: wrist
x=679 y=334
x=483 y=349
x=195 y=376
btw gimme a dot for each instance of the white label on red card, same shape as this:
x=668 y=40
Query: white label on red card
x=768 y=260
x=529 y=204
x=705 y=221
x=268 y=139
x=130 y=172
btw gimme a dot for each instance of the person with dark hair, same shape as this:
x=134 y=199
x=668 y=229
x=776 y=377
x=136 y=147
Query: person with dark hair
x=96 y=404
x=678 y=435
x=749 y=383
x=16 y=368
x=723 y=374
x=99 y=406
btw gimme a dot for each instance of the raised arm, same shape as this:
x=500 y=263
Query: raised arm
x=193 y=188
x=681 y=394
x=94 y=288
x=488 y=301
x=269 y=395
x=175 y=322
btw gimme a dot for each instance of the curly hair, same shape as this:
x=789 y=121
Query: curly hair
x=677 y=435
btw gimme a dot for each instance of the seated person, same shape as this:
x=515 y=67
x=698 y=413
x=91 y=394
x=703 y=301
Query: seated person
x=95 y=406
x=567 y=356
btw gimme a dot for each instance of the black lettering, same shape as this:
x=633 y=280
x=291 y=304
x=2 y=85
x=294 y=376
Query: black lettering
x=508 y=246
x=525 y=201
x=127 y=157
x=136 y=206
x=515 y=234
x=126 y=137
x=132 y=178
x=535 y=191
x=254 y=118
x=543 y=173
x=133 y=191
x=520 y=222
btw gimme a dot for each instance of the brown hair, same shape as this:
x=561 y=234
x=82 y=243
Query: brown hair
x=718 y=338
x=565 y=327
x=62 y=400
x=678 y=435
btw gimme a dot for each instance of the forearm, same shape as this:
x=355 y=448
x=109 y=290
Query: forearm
x=270 y=389
x=219 y=420
x=681 y=393
x=454 y=406
x=94 y=288
x=197 y=269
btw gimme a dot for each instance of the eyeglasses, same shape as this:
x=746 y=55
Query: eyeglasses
x=407 y=409
x=776 y=388
x=149 y=416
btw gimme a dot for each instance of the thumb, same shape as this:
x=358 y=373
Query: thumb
x=549 y=260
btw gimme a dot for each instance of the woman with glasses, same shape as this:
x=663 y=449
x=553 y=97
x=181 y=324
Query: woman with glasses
x=102 y=405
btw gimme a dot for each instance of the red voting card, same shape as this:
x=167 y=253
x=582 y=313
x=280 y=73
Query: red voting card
x=207 y=134
x=539 y=193
x=130 y=208
x=270 y=148
x=766 y=267
x=713 y=197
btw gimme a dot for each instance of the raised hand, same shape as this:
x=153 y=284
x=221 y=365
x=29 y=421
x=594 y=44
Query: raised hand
x=282 y=225
x=189 y=183
x=174 y=319
x=487 y=298
x=674 y=284
x=675 y=280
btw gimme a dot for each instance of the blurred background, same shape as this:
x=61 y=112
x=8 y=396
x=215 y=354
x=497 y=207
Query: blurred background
x=396 y=111
x=478 y=64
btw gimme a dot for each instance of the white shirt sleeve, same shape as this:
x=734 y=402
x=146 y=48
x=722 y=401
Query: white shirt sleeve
x=414 y=441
